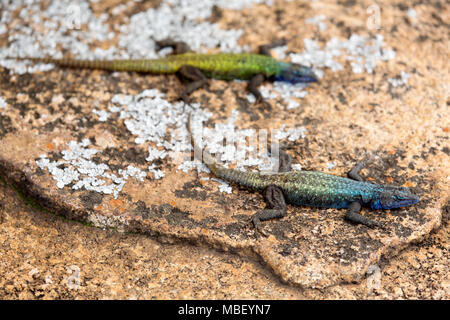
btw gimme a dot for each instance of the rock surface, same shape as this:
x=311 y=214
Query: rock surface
x=401 y=128
x=43 y=256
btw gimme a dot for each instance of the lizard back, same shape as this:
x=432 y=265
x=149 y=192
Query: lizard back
x=225 y=66
x=228 y=66
x=309 y=188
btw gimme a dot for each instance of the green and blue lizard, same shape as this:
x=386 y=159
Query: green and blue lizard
x=197 y=68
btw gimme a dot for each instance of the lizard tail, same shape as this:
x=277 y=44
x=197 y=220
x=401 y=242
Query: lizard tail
x=204 y=155
x=74 y=63
x=152 y=66
x=250 y=180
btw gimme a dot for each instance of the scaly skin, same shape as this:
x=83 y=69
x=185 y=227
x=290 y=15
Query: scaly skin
x=317 y=189
x=196 y=68
x=224 y=66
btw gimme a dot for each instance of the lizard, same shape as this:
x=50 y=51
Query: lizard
x=197 y=68
x=310 y=188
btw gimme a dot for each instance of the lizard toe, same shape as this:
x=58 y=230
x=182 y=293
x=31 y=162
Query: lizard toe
x=258 y=226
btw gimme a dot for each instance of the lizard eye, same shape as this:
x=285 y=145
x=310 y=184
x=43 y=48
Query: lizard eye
x=400 y=197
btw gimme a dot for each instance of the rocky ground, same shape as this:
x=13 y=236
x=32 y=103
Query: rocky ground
x=44 y=256
x=81 y=144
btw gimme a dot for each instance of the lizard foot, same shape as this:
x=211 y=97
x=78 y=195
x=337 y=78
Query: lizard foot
x=258 y=225
x=354 y=173
x=266 y=105
x=178 y=47
x=354 y=216
x=184 y=97
x=253 y=88
x=276 y=207
x=265 y=49
x=196 y=80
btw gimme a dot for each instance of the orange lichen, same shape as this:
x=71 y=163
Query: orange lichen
x=409 y=184
x=115 y=203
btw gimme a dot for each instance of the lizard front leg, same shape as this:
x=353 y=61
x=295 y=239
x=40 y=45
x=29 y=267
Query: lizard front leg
x=354 y=173
x=195 y=76
x=354 y=216
x=353 y=210
x=284 y=159
x=253 y=88
x=259 y=78
x=276 y=207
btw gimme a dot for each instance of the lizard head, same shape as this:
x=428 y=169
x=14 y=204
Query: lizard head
x=394 y=197
x=296 y=73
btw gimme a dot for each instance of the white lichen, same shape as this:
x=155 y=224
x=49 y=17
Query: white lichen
x=77 y=168
x=3 y=103
x=331 y=165
x=103 y=115
x=318 y=21
x=401 y=80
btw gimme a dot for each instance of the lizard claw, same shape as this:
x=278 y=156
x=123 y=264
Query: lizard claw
x=185 y=98
x=376 y=224
x=263 y=101
x=258 y=226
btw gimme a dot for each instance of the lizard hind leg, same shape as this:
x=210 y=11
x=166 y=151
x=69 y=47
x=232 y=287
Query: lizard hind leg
x=265 y=49
x=276 y=207
x=195 y=76
x=354 y=173
x=178 y=47
x=284 y=160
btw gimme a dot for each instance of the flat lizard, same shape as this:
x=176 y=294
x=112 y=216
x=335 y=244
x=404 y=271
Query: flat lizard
x=197 y=68
x=310 y=188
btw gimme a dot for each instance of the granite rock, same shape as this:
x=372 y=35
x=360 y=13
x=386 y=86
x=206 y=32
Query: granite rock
x=401 y=127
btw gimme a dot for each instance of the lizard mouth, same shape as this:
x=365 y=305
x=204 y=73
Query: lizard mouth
x=300 y=74
x=395 y=202
x=308 y=79
x=408 y=202
x=298 y=79
x=413 y=199
x=304 y=74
